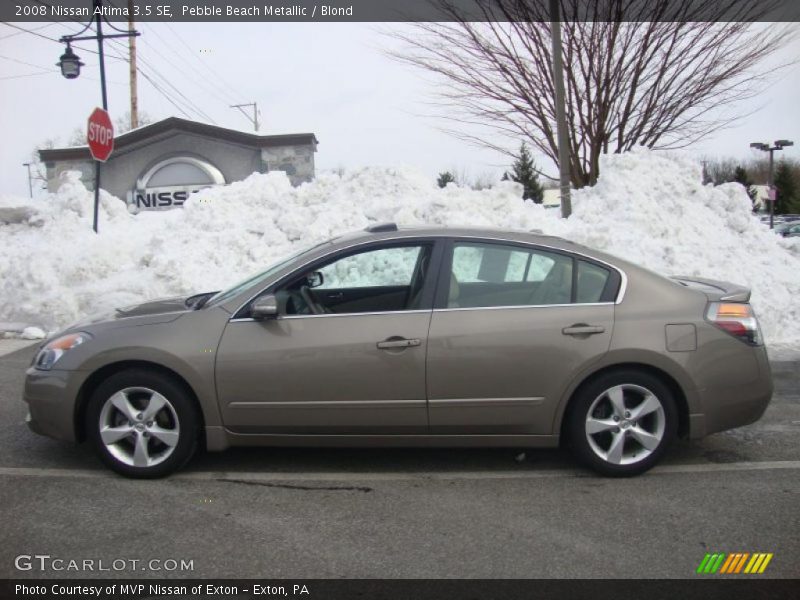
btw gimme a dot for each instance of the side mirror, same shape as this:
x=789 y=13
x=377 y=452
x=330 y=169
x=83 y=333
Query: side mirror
x=314 y=279
x=265 y=307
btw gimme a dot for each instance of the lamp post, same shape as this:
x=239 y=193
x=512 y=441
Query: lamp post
x=71 y=65
x=779 y=145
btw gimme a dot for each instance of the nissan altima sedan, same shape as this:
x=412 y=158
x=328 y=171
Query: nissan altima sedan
x=412 y=337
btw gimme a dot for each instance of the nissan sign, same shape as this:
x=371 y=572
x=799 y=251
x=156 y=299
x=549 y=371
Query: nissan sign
x=162 y=198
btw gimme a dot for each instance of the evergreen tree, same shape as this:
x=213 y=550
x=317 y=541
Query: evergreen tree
x=740 y=176
x=788 y=200
x=445 y=178
x=524 y=171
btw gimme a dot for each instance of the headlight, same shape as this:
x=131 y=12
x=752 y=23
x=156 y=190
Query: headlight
x=55 y=349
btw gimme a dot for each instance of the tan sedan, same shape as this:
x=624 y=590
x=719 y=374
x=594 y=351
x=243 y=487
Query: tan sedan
x=412 y=337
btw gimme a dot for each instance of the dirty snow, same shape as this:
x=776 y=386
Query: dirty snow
x=650 y=208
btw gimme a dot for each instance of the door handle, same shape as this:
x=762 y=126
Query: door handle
x=397 y=343
x=583 y=329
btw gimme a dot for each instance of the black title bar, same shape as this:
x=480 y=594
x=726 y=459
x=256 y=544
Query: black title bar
x=402 y=10
x=704 y=587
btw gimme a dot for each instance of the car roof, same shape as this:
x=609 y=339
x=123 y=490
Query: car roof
x=388 y=231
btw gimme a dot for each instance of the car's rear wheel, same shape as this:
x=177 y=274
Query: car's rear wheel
x=142 y=424
x=622 y=422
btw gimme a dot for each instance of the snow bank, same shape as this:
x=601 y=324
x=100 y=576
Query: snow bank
x=647 y=207
x=653 y=209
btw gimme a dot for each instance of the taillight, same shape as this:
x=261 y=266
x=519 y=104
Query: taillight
x=736 y=318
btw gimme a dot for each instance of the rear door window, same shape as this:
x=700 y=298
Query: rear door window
x=592 y=280
x=488 y=274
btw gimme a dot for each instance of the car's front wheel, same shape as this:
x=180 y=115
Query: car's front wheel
x=622 y=422
x=142 y=424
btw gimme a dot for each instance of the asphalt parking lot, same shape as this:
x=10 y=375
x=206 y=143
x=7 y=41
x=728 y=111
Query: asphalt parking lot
x=323 y=513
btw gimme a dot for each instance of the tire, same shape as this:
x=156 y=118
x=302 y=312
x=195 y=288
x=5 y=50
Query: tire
x=142 y=424
x=622 y=423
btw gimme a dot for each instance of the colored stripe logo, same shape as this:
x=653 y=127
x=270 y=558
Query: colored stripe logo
x=734 y=563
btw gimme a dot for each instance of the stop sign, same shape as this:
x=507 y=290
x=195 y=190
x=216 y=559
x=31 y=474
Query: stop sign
x=100 y=135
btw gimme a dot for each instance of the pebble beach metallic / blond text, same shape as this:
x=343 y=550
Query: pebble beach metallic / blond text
x=267 y=10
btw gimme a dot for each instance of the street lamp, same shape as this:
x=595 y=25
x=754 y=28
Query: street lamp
x=71 y=67
x=779 y=145
x=70 y=63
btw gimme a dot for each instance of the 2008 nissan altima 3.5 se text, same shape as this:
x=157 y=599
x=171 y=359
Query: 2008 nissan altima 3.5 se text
x=412 y=337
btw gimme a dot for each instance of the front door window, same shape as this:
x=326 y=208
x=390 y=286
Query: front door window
x=388 y=279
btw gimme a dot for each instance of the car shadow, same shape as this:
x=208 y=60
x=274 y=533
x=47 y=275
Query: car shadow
x=381 y=460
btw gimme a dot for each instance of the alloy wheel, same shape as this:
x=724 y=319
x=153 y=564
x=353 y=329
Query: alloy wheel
x=625 y=424
x=139 y=427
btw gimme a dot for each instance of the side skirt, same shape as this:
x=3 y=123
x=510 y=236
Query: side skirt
x=219 y=440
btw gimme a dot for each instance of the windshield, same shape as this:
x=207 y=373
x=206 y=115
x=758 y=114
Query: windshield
x=260 y=277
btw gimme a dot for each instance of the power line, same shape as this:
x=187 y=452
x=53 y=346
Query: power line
x=32 y=32
x=236 y=93
x=22 y=62
x=199 y=111
x=202 y=76
x=158 y=88
x=166 y=81
x=163 y=93
x=10 y=35
x=25 y=75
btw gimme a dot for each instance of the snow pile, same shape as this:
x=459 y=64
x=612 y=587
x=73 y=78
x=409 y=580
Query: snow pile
x=647 y=207
x=652 y=209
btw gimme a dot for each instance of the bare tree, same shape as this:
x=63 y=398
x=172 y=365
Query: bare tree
x=719 y=170
x=656 y=73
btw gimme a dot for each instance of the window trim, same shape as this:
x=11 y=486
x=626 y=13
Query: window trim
x=617 y=278
x=426 y=303
x=438 y=260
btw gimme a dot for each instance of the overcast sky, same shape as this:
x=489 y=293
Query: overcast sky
x=329 y=79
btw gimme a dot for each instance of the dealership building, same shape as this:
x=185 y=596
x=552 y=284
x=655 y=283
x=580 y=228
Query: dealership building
x=158 y=166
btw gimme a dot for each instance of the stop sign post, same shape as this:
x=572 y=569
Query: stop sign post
x=100 y=138
x=100 y=134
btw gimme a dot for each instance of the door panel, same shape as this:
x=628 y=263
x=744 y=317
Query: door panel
x=363 y=299
x=324 y=374
x=503 y=370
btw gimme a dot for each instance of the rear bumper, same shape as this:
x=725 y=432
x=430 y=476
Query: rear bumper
x=51 y=396
x=734 y=406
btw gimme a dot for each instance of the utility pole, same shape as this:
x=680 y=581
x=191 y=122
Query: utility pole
x=71 y=67
x=254 y=118
x=132 y=69
x=561 y=117
x=30 y=185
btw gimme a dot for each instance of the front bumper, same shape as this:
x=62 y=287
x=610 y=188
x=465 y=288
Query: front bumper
x=51 y=397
